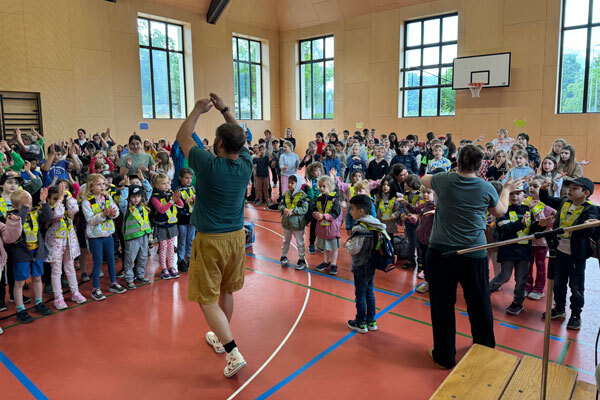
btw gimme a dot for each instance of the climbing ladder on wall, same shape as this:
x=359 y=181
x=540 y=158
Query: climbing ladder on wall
x=19 y=110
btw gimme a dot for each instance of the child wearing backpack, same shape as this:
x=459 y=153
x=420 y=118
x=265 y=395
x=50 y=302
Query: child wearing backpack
x=359 y=245
x=293 y=208
x=328 y=214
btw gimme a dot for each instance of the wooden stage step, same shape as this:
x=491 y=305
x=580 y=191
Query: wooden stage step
x=525 y=383
x=483 y=373
x=488 y=374
x=584 y=391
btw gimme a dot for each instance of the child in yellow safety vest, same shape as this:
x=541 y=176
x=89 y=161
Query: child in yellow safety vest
x=136 y=230
x=328 y=214
x=62 y=243
x=100 y=211
x=515 y=223
x=27 y=253
x=293 y=207
x=164 y=201
x=412 y=184
x=187 y=231
x=387 y=207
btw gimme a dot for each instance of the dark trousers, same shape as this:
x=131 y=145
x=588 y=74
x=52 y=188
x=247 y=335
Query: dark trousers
x=424 y=252
x=312 y=236
x=572 y=272
x=363 y=292
x=443 y=275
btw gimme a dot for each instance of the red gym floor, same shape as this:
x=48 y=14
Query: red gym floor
x=290 y=326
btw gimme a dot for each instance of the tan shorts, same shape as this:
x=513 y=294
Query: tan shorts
x=216 y=265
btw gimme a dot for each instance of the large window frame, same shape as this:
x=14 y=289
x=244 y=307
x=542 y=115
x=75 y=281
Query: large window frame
x=251 y=74
x=421 y=68
x=151 y=49
x=593 y=12
x=312 y=62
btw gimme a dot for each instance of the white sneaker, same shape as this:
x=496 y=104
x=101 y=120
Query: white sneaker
x=344 y=204
x=235 y=362
x=1 y=331
x=214 y=341
x=423 y=287
x=536 y=295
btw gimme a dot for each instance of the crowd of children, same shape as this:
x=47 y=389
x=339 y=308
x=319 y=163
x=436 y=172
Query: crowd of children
x=118 y=200
x=378 y=196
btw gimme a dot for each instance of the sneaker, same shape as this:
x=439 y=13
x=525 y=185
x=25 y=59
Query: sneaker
x=284 y=261
x=344 y=204
x=274 y=186
x=174 y=274
x=555 y=314
x=436 y=364
x=116 y=288
x=421 y=275
x=142 y=280
x=214 y=341
x=78 y=298
x=42 y=309
x=235 y=362
x=574 y=322
x=3 y=306
x=322 y=267
x=423 y=287
x=97 y=295
x=60 y=304
x=130 y=285
x=333 y=270
x=165 y=274
x=536 y=295
x=182 y=266
x=311 y=249
x=526 y=293
x=301 y=264
x=101 y=274
x=1 y=331
x=121 y=273
x=372 y=325
x=360 y=327
x=85 y=277
x=515 y=308
x=24 y=317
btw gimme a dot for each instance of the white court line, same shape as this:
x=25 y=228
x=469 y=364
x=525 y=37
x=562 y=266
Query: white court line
x=258 y=371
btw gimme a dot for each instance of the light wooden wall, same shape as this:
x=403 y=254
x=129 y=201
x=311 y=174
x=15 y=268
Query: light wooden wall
x=366 y=75
x=82 y=56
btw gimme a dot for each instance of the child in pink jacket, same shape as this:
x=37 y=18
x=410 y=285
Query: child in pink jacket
x=9 y=233
x=328 y=214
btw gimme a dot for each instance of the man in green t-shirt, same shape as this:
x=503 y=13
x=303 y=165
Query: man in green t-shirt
x=218 y=253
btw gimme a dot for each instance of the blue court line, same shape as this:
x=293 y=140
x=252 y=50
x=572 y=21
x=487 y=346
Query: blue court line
x=30 y=386
x=427 y=303
x=328 y=350
x=321 y=274
x=464 y=314
x=558 y=339
x=509 y=326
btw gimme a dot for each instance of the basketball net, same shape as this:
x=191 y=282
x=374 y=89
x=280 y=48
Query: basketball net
x=475 y=88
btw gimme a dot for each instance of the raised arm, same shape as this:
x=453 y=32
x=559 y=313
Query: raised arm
x=184 y=135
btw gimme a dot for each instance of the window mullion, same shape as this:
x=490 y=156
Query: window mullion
x=150 y=53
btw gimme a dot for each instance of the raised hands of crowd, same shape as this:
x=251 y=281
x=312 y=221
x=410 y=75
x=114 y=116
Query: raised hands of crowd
x=332 y=172
x=44 y=195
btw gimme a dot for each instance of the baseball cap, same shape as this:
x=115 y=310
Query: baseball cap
x=10 y=175
x=585 y=183
x=136 y=189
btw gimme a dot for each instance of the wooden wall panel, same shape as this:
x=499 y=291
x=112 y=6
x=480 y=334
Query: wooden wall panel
x=527 y=56
x=13 y=64
x=89 y=24
x=92 y=77
x=483 y=24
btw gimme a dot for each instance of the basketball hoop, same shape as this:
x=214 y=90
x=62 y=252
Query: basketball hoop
x=475 y=88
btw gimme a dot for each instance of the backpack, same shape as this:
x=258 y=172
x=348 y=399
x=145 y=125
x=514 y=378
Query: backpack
x=382 y=255
x=401 y=247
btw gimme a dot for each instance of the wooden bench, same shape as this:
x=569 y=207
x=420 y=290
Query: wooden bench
x=482 y=374
x=525 y=383
x=584 y=391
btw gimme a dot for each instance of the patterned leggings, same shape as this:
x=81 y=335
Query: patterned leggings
x=167 y=252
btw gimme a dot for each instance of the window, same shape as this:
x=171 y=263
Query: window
x=430 y=46
x=162 y=69
x=579 y=76
x=316 y=78
x=247 y=78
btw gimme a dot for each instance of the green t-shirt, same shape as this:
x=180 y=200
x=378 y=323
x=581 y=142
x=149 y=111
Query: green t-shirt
x=137 y=160
x=221 y=186
x=460 y=212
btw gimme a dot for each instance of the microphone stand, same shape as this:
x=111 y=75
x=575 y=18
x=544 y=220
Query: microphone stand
x=551 y=237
